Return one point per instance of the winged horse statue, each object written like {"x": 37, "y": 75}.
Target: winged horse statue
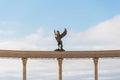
{"x": 58, "y": 37}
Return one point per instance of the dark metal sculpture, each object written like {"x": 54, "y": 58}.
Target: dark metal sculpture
{"x": 58, "y": 37}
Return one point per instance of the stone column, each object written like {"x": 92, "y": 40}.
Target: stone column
{"x": 96, "y": 68}
{"x": 60, "y": 67}
{"x": 24, "y": 61}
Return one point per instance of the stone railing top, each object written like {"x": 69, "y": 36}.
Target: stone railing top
{"x": 59, "y": 54}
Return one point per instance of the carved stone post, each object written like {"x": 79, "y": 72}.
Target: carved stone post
{"x": 96, "y": 68}
{"x": 60, "y": 67}
{"x": 24, "y": 61}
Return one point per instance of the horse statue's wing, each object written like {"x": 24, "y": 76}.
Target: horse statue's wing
{"x": 64, "y": 33}
{"x": 55, "y": 33}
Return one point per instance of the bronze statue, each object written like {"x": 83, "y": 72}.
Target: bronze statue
{"x": 58, "y": 37}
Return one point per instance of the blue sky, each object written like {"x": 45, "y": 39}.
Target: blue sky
{"x": 75, "y": 15}
{"x": 29, "y": 25}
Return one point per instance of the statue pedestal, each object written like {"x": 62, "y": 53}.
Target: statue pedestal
{"x": 59, "y": 50}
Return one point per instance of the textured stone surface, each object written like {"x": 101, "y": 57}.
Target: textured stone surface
{"x": 59, "y": 54}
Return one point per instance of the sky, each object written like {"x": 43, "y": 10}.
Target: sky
{"x": 30, "y": 24}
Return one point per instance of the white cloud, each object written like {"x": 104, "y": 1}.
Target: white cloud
{"x": 102, "y": 36}
{"x": 7, "y": 32}
{"x": 34, "y": 41}
{"x": 39, "y": 36}
{"x": 4, "y": 23}
{"x": 14, "y": 45}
